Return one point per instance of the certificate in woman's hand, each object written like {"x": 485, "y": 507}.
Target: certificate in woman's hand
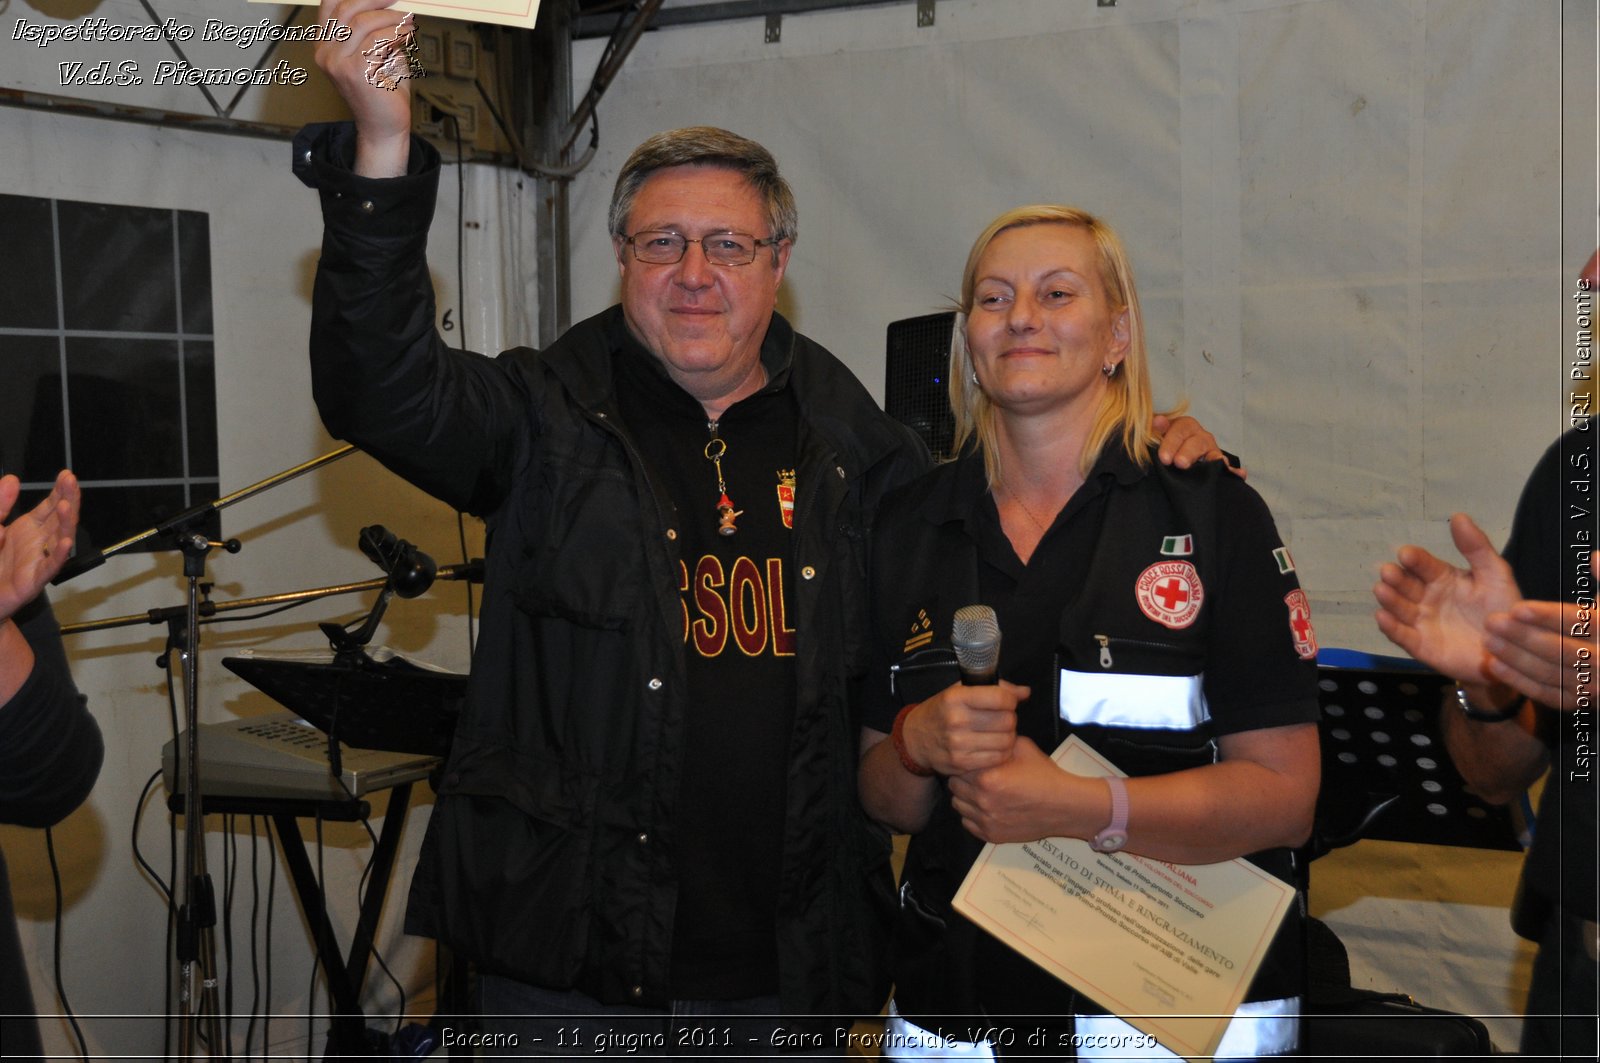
{"x": 1170, "y": 948}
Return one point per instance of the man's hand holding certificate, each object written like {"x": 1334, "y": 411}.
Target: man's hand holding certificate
{"x": 504, "y": 12}
{"x": 1171, "y": 948}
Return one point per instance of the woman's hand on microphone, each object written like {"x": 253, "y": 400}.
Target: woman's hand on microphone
{"x": 964, "y": 728}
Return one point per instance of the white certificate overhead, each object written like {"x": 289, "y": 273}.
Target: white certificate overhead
{"x": 505, "y": 12}
{"x": 1171, "y": 948}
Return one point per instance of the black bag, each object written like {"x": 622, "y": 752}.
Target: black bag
{"x": 1389, "y": 1026}
{"x": 1343, "y": 1022}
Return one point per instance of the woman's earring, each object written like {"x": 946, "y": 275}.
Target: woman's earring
{"x": 975, "y": 379}
{"x": 1109, "y": 369}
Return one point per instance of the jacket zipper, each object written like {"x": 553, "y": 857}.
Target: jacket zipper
{"x": 1105, "y": 642}
{"x": 638, "y": 467}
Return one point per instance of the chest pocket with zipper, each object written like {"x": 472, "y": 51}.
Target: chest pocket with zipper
{"x": 1139, "y": 700}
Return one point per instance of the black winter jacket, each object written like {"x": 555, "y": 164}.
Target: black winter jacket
{"x": 550, "y": 853}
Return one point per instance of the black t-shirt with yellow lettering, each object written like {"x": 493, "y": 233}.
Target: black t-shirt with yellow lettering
{"x": 739, "y": 645}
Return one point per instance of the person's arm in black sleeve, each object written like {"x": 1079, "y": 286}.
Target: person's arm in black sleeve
{"x": 50, "y": 747}
{"x": 382, "y": 376}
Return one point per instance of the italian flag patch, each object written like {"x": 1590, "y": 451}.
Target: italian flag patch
{"x": 1177, "y": 546}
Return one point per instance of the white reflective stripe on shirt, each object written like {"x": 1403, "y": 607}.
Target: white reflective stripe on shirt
{"x": 1172, "y": 702}
{"x": 1261, "y": 1028}
{"x": 905, "y": 1040}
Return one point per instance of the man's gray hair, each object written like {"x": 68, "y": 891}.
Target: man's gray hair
{"x": 707, "y": 146}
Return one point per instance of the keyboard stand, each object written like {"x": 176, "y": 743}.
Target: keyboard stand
{"x": 347, "y": 1032}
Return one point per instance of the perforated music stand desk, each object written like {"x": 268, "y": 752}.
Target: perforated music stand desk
{"x": 1385, "y": 772}
{"x": 391, "y": 705}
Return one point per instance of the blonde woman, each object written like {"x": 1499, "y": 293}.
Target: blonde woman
{"x": 1098, "y": 560}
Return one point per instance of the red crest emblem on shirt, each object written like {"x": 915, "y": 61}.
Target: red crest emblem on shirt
{"x": 786, "y": 496}
{"x": 1305, "y": 639}
{"x": 1169, "y": 592}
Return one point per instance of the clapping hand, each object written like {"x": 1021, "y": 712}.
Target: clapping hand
{"x": 1437, "y": 612}
{"x": 35, "y": 545}
{"x": 1546, "y": 651}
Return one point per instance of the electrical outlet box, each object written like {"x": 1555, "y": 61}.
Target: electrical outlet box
{"x": 461, "y": 53}
{"x": 423, "y": 124}
{"x": 467, "y": 115}
{"x": 430, "y": 47}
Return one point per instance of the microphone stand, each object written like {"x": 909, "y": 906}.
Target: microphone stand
{"x": 197, "y": 914}
{"x": 182, "y": 522}
{"x": 196, "y": 948}
{"x": 472, "y": 570}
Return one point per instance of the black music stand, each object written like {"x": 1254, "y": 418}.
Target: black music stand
{"x": 393, "y": 705}
{"x": 1385, "y": 772}
{"x": 1386, "y": 775}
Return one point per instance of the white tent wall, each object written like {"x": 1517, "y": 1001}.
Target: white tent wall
{"x": 1319, "y": 198}
{"x": 265, "y": 230}
{"x": 1355, "y": 223}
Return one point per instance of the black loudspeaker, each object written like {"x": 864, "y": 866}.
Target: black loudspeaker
{"x": 915, "y": 391}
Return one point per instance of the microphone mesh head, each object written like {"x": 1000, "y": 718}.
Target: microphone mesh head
{"x": 976, "y": 635}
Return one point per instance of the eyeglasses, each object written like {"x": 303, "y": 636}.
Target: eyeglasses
{"x": 662, "y": 247}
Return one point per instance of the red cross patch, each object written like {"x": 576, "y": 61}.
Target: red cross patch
{"x": 1305, "y": 639}
{"x": 1169, "y": 593}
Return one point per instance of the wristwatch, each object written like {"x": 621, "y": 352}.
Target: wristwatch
{"x": 1114, "y": 835}
{"x": 1511, "y": 711}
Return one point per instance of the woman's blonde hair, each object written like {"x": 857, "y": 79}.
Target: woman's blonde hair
{"x": 1128, "y": 406}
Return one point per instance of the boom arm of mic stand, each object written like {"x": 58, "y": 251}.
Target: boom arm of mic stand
{"x": 472, "y": 571}
{"x": 82, "y": 563}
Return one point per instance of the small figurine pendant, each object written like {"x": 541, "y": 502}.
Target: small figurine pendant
{"x": 726, "y": 515}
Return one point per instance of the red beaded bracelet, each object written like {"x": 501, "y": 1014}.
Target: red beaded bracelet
{"x": 897, "y": 735}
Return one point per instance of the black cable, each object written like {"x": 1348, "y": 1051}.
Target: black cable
{"x": 400, "y": 1013}
{"x": 461, "y": 312}
{"x": 230, "y": 875}
{"x": 461, "y": 233}
{"x": 255, "y": 967}
{"x": 172, "y": 701}
{"x": 138, "y": 857}
{"x": 61, "y": 988}
{"x": 172, "y": 935}
{"x": 361, "y": 901}
{"x": 472, "y": 630}
{"x": 272, "y": 890}
{"x": 166, "y": 892}
{"x": 536, "y": 169}
{"x": 316, "y": 958}
{"x": 172, "y": 865}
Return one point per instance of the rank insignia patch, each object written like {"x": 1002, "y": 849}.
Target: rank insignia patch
{"x": 1169, "y": 593}
{"x": 786, "y": 496}
{"x": 921, "y": 632}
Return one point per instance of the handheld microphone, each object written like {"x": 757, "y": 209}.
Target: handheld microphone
{"x": 411, "y": 571}
{"x": 976, "y": 635}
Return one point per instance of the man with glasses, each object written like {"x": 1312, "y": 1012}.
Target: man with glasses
{"x": 648, "y": 823}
